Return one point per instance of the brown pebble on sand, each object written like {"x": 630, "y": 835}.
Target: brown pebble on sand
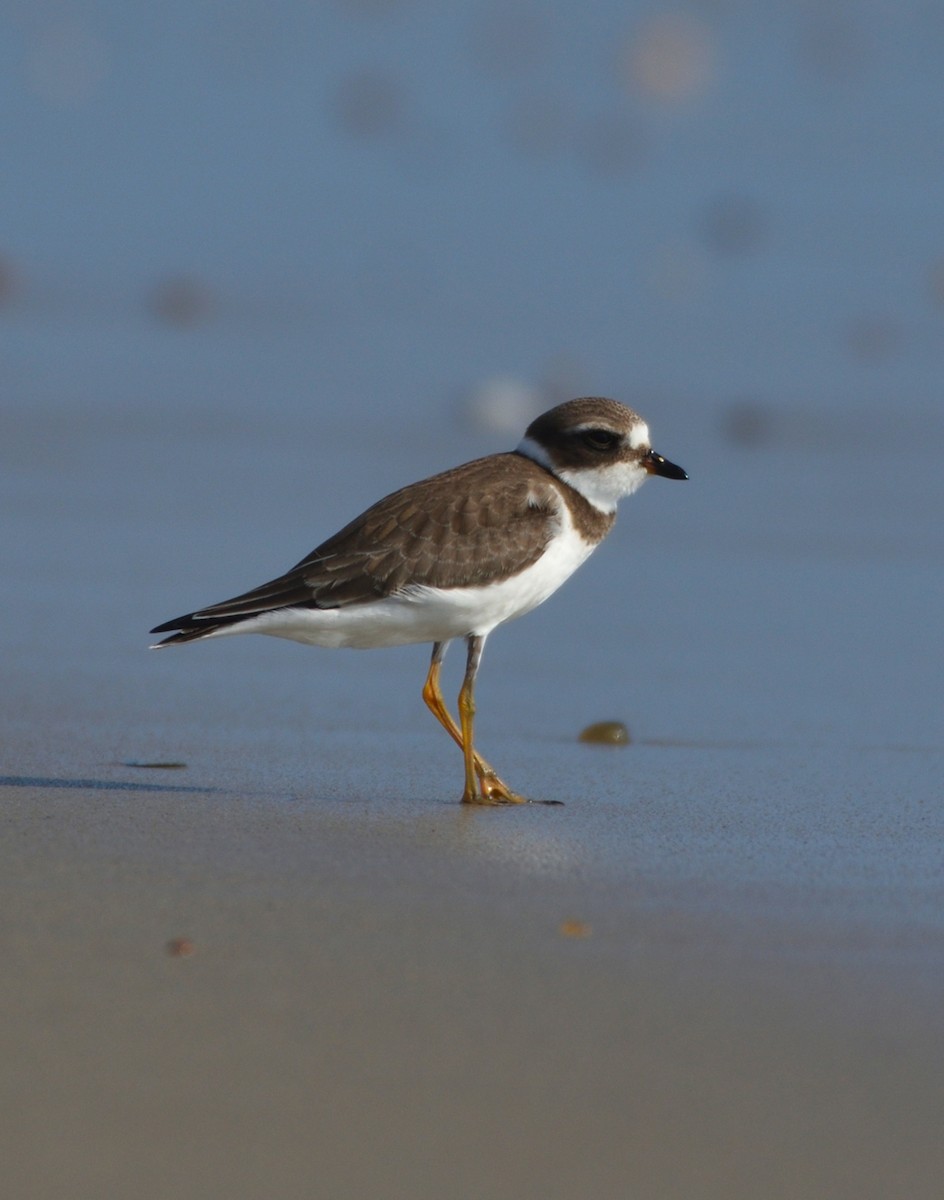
{"x": 605, "y": 733}
{"x": 156, "y": 766}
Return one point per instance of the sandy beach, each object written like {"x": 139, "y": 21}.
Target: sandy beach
{"x": 207, "y": 993}
{"x": 287, "y": 962}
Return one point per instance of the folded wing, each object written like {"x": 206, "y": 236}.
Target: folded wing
{"x": 459, "y": 529}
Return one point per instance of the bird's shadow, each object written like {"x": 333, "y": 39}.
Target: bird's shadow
{"x": 97, "y": 785}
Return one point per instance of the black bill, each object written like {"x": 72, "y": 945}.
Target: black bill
{"x": 655, "y": 464}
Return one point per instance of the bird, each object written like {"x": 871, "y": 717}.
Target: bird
{"x": 455, "y": 556}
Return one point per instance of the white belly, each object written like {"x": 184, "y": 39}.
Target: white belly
{"x": 426, "y": 614}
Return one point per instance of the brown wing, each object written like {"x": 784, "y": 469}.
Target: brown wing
{"x": 457, "y": 529}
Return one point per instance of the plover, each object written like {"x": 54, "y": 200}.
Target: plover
{"x": 455, "y": 556}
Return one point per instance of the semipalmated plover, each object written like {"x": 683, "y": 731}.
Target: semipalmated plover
{"x": 456, "y": 555}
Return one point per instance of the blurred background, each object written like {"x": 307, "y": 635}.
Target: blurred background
{"x": 261, "y": 263}
{"x": 390, "y": 204}
{"x": 264, "y": 261}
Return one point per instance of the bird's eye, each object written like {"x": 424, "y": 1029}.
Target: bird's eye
{"x": 599, "y": 439}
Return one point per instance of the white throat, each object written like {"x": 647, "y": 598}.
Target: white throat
{"x": 603, "y": 487}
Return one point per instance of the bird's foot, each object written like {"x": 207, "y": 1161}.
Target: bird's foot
{"x": 495, "y": 791}
{"x": 492, "y": 791}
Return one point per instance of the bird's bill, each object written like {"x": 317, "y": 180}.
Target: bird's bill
{"x": 655, "y": 464}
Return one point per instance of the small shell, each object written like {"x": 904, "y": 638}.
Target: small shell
{"x": 574, "y": 929}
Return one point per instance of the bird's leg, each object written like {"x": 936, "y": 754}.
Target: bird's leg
{"x": 432, "y": 695}
{"x": 491, "y": 790}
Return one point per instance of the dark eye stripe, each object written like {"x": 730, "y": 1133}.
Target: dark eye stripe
{"x": 599, "y": 439}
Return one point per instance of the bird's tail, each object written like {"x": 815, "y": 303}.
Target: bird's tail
{"x": 191, "y": 628}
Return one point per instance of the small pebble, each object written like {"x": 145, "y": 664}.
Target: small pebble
{"x": 180, "y": 948}
{"x": 606, "y": 733}
{"x": 157, "y": 766}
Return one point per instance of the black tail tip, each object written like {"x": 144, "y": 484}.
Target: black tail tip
{"x": 182, "y": 629}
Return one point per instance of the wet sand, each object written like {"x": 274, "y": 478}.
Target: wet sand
{"x": 296, "y": 967}
{"x": 214, "y": 991}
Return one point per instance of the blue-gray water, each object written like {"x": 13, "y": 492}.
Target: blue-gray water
{"x": 257, "y": 270}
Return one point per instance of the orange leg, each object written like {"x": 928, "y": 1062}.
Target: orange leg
{"x": 482, "y": 784}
